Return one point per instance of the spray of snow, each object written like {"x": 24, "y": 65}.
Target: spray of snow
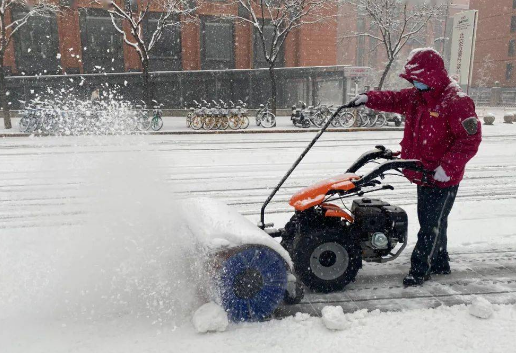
{"x": 129, "y": 258}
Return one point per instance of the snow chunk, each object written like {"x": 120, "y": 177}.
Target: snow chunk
{"x": 481, "y": 308}
{"x": 334, "y": 319}
{"x": 301, "y": 317}
{"x": 210, "y": 318}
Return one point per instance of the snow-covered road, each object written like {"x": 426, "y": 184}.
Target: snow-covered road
{"x": 51, "y": 187}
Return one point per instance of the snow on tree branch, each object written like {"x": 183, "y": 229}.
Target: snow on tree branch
{"x": 281, "y": 17}
{"x": 29, "y": 9}
{"x": 135, "y": 15}
{"x": 394, "y": 23}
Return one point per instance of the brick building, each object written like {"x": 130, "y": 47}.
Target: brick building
{"x": 81, "y": 39}
{"x": 495, "y": 48}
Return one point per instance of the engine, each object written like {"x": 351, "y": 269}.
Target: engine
{"x": 379, "y": 226}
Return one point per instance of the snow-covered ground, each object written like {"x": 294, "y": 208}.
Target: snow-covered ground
{"x": 93, "y": 257}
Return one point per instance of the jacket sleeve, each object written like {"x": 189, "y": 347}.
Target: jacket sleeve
{"x": 467, "y": 133}
{"x": 390, "y": 101}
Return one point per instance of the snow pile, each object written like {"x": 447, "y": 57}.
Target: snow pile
{"x": 481, "y": 308}
{"x": 210, "y": 318}
{"x": 334, "y": 319}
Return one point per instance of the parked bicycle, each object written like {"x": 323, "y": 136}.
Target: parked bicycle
{"x": 265, "y": 117}
{"x": 217, "y": 115}
{"x": 144, "y": 122}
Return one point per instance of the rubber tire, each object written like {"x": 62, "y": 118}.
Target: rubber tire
{"x": 304, "y": 246}
{"x": 397, "y": 122}
{"x": 268, "y": 120}
{"x": 24, "y": 123}
{"x": 143, "y": 124}
{"x": 346, "y": 119}
{"x": 381, "y": 120}
{"x": 234, "y": 122}
{"x": 244, "y": 122}
{"x": 269, "y": 294}
{"x": 197, "y": 122}
{"x": 318, "y": 119}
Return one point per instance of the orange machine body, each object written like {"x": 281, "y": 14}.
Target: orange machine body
{"x": 314, "y": 195}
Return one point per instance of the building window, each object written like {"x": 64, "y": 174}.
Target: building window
{"x": 259, "y": 56}
{"x": 512, "y": 47}
{"x": 217, "y": 44}
{"x": 508, "y": 71}
{"x": 513, "y": 24}
{"x": 360, "y": 61}
{"x": 102, "y": 49}
{"x": 514, "y": 4}
{"x": 37, "y": 45}
{"x": 166, "y": 53}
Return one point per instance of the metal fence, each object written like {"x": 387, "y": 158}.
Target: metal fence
{"x": 495, "y": 97}
{"x": 177, "y": 89}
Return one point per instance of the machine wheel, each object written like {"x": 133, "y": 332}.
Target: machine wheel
{"x": 326, "y": 260}
{"x": 252, "y": 283}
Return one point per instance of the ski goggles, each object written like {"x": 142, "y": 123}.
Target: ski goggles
{"x": 420, "y": 85}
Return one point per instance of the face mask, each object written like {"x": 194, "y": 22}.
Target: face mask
{"x": 420, "y": 86}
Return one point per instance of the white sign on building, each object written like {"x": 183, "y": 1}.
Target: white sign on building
{"x": 463, "y": 46}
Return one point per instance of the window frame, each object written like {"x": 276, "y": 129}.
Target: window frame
{"x": 89, "y": 63}
{"x": 512, "y": 48}
{"x": 509, "y": 70}
{"x": 513, "y": 24}
{"x": 162, "y": 62}
{"x": 29, "y": 64}
{"x": 215, "y": 64}
{"x": 280, "y": 61}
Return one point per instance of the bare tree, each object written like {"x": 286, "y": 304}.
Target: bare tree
{"x": 7, "y": 29}
{"x": 172, "y": 13}
{"x": 274, "y": 20}
{"x": 396, "y": 23}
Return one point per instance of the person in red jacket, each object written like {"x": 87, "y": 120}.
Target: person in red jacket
{"x": 443, "y": 132}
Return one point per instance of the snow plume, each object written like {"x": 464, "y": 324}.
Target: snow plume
{"x": 129, "y": 258}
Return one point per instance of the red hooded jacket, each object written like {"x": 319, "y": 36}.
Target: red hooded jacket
{"x": 441, "y": 126}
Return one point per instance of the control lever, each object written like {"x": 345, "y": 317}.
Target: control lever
{"x": 380, "y": 147}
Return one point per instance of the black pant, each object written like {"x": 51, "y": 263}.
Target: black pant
{"x": 433, "y": 207}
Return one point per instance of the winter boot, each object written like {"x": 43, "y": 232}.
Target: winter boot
{"x": 441, "y": 266}
{"x": 441, "y": 269}
{"x": 412, "y": 280}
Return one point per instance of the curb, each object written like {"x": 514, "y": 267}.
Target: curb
{"x": 222, "y": 132}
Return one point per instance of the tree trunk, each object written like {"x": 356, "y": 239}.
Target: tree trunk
{"x": 3, "y": 95}
{"x": 147, "y": 89}
{"x": 385, "y": 72}
{"x": 272, "y": 76}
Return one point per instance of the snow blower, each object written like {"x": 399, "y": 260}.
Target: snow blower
{"x": 327, "y": 242}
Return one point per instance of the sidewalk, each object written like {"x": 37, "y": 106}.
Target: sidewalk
{"x": 177, "y": 126}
